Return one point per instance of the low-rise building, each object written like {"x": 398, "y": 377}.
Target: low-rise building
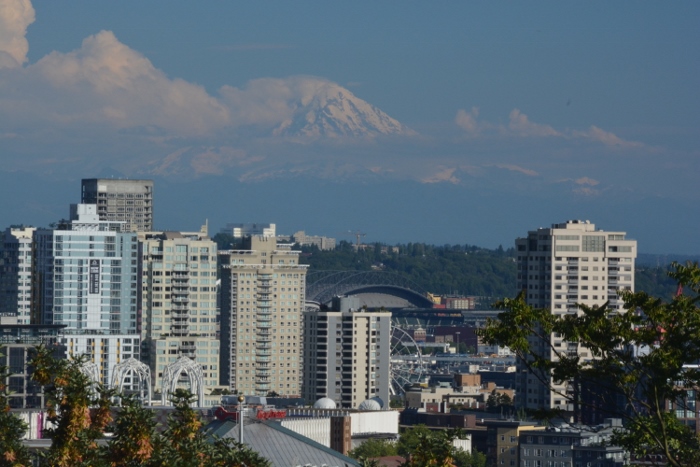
{"x": 323, "y": 243}
{"x": 467, "y": 390}
{"x": 502, "y": 439}
{"x": 572, "y": 446}
{"x": 17, "y": 342}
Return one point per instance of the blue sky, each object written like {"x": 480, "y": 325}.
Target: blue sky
{"x": 619, "y": 64}
{"x": 573, "y": 106}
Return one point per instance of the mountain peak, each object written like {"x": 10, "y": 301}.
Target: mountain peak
{"x": 331, "y": 111}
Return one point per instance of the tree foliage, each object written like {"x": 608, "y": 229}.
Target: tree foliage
{"x": 14, "y": 453}
{"x": 423, "y": 447}
{"x": 81, "y": 413}
{"x": 499, "y": 403}
{"x": 444, "y": 269}
{"x": 374, "y": 448}
{"x": 642, "y": 356}
{"x": 78, "y": 409}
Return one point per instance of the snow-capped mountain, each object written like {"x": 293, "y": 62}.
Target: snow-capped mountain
{"x": 332, "y": 111}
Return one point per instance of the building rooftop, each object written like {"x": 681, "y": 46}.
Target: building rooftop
{"x": 281, "y": 446}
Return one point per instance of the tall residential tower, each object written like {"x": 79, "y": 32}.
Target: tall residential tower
{"x": 262, "y": 300}
{"x": 16, "y": 274}
{"x": 559, "y": 267}
{"x": 178, "y": 302}
{"x": 347, "y": 354}
{"x": 129, "y": 201}
{"x": 85, "y": 278}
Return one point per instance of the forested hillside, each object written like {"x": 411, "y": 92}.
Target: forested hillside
{"x": 449, "y": 269}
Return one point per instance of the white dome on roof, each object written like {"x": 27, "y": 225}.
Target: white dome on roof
{"x": 369, "y": 404}
{"x": 324, "y": 403}
{"x": 378, "y": 400}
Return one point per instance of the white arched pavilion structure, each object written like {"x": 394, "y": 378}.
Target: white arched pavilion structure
{"x": 91, "y": 370}
{"x": 189, "y": 368}
{"x": 139, "y": 371}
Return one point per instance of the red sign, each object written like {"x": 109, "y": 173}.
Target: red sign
{"x": 223, "y": 414}
{"x": 269, "y": 414}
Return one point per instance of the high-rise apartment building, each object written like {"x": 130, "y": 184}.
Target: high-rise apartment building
{"x": 347, "y": 354}
{"x": 128, "y": 201}
{"x": 262, "y": 300}
{"x": 85, "y": 277}
{"x": 16, "y": 274}
{"x": 178, "y": 300}
{"x": 559, "y": 267}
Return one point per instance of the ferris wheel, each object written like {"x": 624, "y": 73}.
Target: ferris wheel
{"x": 406, "y": 361}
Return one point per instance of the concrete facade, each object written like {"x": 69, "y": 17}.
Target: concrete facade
{"x": 503, "y": 438}
{"x": 559, "y": 267}
{"x": 178, "y": 302}
{"x": 17, "y": 342}
{"x": 347, "y": 356}
{"x": 572, "y": 446}
{"x": 128, "y": 201}
{"x": 262, "y": 300}
{"x": 323, "y": 243}
{"x": 16, "y": 274}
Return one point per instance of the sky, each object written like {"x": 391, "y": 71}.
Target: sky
{"x": 478, "y": 121}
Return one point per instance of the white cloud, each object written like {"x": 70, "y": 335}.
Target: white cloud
{"x": 15, "y": 16}
{"x": 517, "y": 168}
{"x": 265, "y": 101}
{"x": 586, "y": 181}
{"x": 582, "y": 185}
{"x": 106, "y": 81}
{"x": 609, "y": 139}
{"x": 467, "y": 121}
{"x": 586, "y": 191}
{"x": 520, "y": 125}
{"x": 443, "y": 175}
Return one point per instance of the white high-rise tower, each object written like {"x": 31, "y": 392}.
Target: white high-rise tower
{"x": 85, "y": 277}
{"x": 559, "y": 267}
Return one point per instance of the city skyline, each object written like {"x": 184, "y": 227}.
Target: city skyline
{"x": 464, "y": 115}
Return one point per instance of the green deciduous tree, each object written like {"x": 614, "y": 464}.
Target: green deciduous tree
{"x": 410, "y": 439}
{"x": 469, "y": 459}
{"x": 374, "y": 448}
{"x": 641, "y": 355}
{"x": 499, "y": 403}
{"x": 423, "y": 447}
